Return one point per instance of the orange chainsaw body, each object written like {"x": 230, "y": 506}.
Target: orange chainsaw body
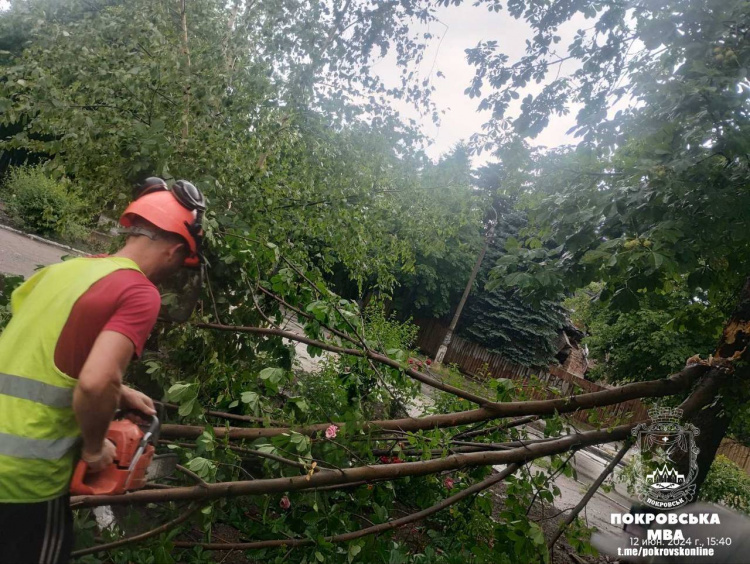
{"x": 117, "y": 478}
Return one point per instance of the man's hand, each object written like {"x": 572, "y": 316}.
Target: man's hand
{"x": 133, "y": 399}
{"x": 98, "y": 461}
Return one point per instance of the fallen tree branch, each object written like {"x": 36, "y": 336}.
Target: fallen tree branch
{"x": 654, "y": 388}
{"x": 374, "y": 530}
{"x": 277, "y": 458}
{"x": 231, "y": 416}
{"x": 501, "y": 427}
{"x": 703, "y": 395}
{"x": 253, "y": 452}
{"x": 414, "y": 374}
{"x": 298, "y": 311}
{"x": 547, "y": 480}
{"x": 190, "y": 474}
{"x": 590, "y": 493}
{"x": 366, "y": 473}
{"x": 136, "y": 538}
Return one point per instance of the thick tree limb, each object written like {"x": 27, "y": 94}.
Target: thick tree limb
{"x": 654, "y": 388}
{"x": 694, "y": 402}
{"x": 732, "y": 357}
{"x": 366, "y": 473}
{"x": 590, "y": 493}
{"x": 374, "y": 530}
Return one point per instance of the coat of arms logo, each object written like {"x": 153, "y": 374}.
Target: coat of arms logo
{"x": 668, "y": 459}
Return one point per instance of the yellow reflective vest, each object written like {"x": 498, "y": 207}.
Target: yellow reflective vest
{"x": 39, "y": 434}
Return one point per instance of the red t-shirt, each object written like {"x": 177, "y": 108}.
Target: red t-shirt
{"x": 124, "y": 301}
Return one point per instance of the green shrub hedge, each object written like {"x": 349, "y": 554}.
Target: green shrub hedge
{"x": 46, "y": 206}
{"x": 727, "y": 484}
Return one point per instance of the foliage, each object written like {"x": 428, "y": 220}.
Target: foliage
{"x": 727, "y": 484}
{"x": 675, "y": 51}
{"x": 42, "y": 204}
{"x": 652, "y": 342}
{"x": 651, "y": 204}
{"x": 105, "y": 91}
{"x": 8, "y": 283}
{"x": 579, "y": 537}
{"x": 350, "y": 387}
{"x": 453, "y": 208}
{"x": 312, "y": 191}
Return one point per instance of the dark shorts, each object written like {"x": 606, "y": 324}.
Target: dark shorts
{"x": 36, "y": 533}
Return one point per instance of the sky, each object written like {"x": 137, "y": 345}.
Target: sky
{"x": 465, "y": 26}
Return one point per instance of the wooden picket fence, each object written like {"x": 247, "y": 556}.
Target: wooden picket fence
{"x": 479, "y": 363}
{"x": 736, "y": 452}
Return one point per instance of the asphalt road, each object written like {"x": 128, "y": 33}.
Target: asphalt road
{"x": 21, "y": 255}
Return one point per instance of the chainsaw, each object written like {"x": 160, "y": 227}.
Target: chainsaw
{"x": 135, "y": 462}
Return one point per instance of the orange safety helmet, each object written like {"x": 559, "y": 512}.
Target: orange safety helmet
{"x": 178, "y": 211}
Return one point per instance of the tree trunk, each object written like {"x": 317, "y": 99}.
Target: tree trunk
{"x": 713, "y": 421}
{"x": 713, "y": 424}
{"x": 456, "y": 316}
{"x": 186, "y": 61}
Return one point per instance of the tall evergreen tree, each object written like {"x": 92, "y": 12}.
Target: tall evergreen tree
{"x": 502, "y": 319}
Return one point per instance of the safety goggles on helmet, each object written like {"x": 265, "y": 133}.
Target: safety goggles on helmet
{"x": 178, "y": 210}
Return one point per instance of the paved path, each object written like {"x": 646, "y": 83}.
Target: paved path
{"x": 22, "y": 255}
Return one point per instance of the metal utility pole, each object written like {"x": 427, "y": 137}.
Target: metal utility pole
{"x": 474, "y": 271}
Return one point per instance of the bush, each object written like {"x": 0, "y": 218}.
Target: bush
{"x": 8, "y": 283}
{"x": 727, "y": 484}
{"x": 43, "y": 205}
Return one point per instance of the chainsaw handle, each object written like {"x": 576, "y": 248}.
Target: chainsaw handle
{"x": 154, "y": 430}
{"x": 77, "y": 484}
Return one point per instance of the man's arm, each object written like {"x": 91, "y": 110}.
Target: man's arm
{"x": 97, "y": 394}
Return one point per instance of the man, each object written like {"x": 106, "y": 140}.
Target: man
{"x": 75, "y": 327}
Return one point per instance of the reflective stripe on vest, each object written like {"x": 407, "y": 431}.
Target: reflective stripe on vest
{"x": 44, "y": 449}
{"x": 33, "y": 390}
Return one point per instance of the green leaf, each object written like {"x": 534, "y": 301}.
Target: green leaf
{"x": 354, "y": 550}
{"x": 274, "y": 375}
{"x": 178, "y": 392}
{"x": 253, "y": 401}
{"x": 201, "y": 466}
{"x": 187, "y": 407}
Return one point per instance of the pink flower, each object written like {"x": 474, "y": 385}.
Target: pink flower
{"x": 331, "y": 432}
{"x": 428, "y": 362}
{"x": 448, "y": 483}
{"x": 285, "y": 503}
